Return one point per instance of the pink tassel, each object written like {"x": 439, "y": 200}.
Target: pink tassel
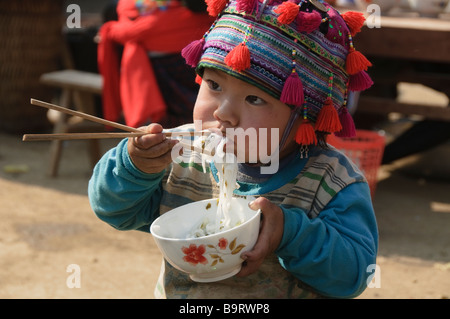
{"x": 292, "y": 93}
{"x": 246, "y": 6}
{"x": 348, "y": 125}
{"x": 309, "y": 21}
{"x": 360, "y": 81}
{"x": 193, "y": 52}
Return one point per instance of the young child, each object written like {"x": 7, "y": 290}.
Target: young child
{"x": 284, "y": 65}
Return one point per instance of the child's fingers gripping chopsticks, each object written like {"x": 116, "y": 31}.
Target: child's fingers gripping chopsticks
{"x": 151, "y": 153}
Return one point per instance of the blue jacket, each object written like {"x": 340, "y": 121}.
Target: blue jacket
{"x": 330, "y": 232}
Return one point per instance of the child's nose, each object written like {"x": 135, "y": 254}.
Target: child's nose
{"x": 227, "y": 114}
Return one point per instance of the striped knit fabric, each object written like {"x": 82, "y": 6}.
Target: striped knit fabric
{"x": 324, "y": 175}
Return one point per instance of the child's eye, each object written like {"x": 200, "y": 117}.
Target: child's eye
{"x": 253, "y": 99}
{"x": 213, "y": 85}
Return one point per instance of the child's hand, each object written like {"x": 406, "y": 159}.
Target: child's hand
{"x": 270, "y": 234}
{"x": 151, "y": 153}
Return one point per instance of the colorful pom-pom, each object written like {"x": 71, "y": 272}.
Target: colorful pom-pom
{"x": 305, "y": 134}
{"x": 354, "y": 21}
{"x": 328, "y": 118}
{"x": 360, "y": 81}
{"x": 287, "y": 11}
{"x": 308, "y": 21}
{"x": 193, "y": 51}
{"x": 356, "y": 62}
{"x": 239, "y": 58}
{"x": 348, "y": 125}
{"x": 246, "y": 6}
{"x": 214, "y": 7}
{"x": 292, "y": 93}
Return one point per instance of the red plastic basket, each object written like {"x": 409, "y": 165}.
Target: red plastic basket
{"x": 365, "y": 150}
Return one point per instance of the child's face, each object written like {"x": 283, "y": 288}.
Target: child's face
{"x": 225, "y": 102}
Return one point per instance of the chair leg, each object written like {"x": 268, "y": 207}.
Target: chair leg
{"x": 59, "y": 127}
{"x": 55, "y": 157}
{"x": 84, "y": 101}
{"x": 94, "y": 152}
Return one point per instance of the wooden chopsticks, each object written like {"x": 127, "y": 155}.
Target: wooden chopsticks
{"x": 79, "y": 136}
{"x": 129, "y": 131}
{"x": 106, "y": 135}
{"x": 85, "y": 116}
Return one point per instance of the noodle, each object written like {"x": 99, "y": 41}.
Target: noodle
{"x": 226, "y": 217}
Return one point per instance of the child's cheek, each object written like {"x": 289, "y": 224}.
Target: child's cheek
{"x": 203, "y": 112}
{"x": 204, "y": 106}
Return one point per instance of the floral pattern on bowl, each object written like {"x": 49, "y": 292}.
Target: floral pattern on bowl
{"x": 207, "y": 258}
{"x": 195, "y": 254}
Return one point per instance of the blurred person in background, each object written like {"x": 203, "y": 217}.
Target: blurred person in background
{"x": 139, "y": 56}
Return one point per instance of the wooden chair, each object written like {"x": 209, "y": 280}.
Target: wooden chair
{"x": 78, "y": 90}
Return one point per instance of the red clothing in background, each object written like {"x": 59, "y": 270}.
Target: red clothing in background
{"x": 129, "y": 85}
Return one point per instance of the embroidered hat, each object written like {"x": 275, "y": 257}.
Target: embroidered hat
{"x": 299, "y": 51}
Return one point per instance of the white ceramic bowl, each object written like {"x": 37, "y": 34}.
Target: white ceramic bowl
{"x": 385, "y": 5}
{"x": 429, "y": 8}
{"x": 209, "y": 258}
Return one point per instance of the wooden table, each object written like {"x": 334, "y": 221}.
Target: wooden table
{"x": 408, "y": 42}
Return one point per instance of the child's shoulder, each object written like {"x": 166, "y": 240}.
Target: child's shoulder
{"x": 334, "y": 162}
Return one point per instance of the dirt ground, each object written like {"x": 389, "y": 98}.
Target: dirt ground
{"x": 47, "y": 226}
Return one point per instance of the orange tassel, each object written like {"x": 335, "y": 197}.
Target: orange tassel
{"x": 198, "y": 79}
{"x": 354, "y": 20}
{"x": 287, "y": 11}
{"x": 356, "y": 62}
{"x": 239, "y": 58}
{"x": 215, "y": 6}
{"x": 328, "y": 118}
{"x": 305, "y": 134}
